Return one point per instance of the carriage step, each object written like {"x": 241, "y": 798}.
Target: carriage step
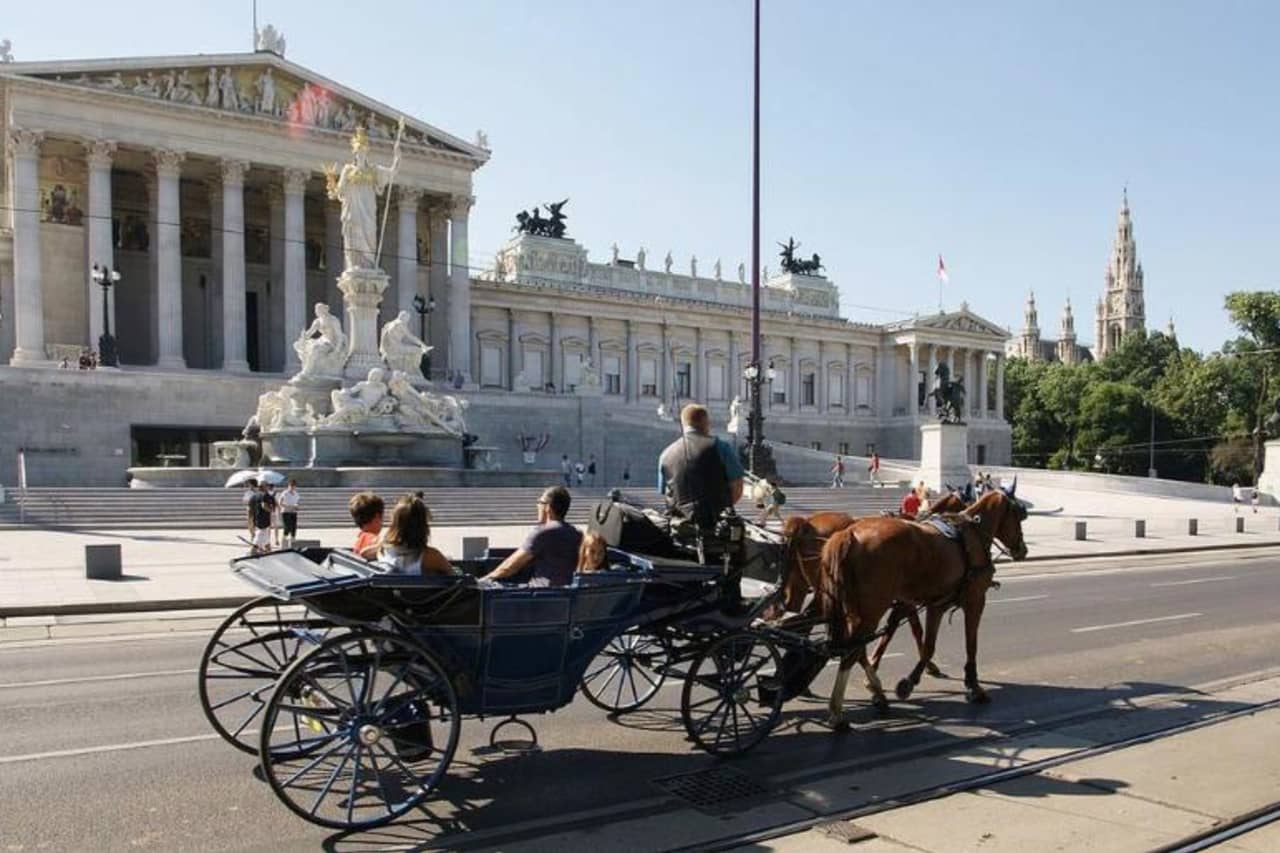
{"x": 717, "y": 791}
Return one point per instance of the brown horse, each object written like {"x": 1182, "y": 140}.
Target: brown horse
{"x": 867, "y": 566}
{"x": 805, "y": 538}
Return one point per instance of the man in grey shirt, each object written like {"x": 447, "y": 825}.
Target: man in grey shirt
{"x": 549, "y": 554}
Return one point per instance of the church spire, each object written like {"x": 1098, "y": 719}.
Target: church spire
{"x": 1123, "y": 301}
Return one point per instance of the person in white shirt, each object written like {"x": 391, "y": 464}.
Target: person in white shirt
{"x": 289, "y": 500}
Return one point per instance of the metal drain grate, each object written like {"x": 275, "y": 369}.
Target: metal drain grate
{"x": 715, "y": 791}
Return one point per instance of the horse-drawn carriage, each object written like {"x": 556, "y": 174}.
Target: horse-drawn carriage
{"x": 350, "y": 684}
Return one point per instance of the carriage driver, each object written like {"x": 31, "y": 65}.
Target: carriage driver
{"x": 699, "y": 474}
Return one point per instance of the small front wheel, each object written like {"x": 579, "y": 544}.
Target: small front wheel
{"x": 731, "y": 698}
{"x": 627, "y": 673}
{"x": 359, "y": 731}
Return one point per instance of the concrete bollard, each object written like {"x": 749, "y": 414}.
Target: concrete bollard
{"x": 474, "y": 547}
{"x": 1140, "y": 528}
{"x": 1080, "y": 531}
{"x": 1193, "y": 527}
{"x": 102, "y": 562}
{"x": 1239, "y": 524}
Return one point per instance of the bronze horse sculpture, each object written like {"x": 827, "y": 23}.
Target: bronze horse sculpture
{"x": 869, "y": 564}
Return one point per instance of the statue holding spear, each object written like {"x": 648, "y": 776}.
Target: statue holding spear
{"x": 357, "y": 187}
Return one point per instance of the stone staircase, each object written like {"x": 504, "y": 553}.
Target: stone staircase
{"x": 130, "y": 509}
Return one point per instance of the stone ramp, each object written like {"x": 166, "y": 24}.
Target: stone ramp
{"x": 122, "y": 508}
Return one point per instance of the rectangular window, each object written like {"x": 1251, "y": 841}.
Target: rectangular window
{"x": 612, "y": 374}
{"x": 871, "y": 448}
{"x": 648, "y": 377}
{"x": 815, "y": 445}
{"x": 715, "y": 382}
{"x": 490, "y": 367}
{"x": 862, "y": 390}
{"x": 572, "y": 370}
{"x": 844, "y": 448}
{"x": 684, "y": 379}
{"x": 778, "y": 388}
{"x": 808, "y": 389}
{"x": 835, "y": 388}
{"x": 533, "y": 367}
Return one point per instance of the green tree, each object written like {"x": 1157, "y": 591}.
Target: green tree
{"x": 1257, "y": 314}
{"x": 1111, "y": 426}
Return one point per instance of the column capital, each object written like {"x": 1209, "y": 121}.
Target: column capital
{"x": 409, "y": 197}
{"x": 99, "y": 153}
{"x": 295, "y": 181}
{"x": 460, "y": 205}
{"x": 233, "y": 171}
{"x": 168, "y": 163}
{"x": 25, "y": 143}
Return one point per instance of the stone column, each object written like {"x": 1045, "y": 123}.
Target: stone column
{"x": 333, "y": 260}
{"x": 593, "y": 348}
{"x": 407, "y": 246}
{"x": 733, "y": 382}
{"x": 1000, "y": 386}
{"x": 629, "y": 374}
{"x": 234, "y": 339}
{"x": 28, "y": 290}
{"x": 663, "y": 369}
{"x": 699, "y": 369}
{"x": 554, "y": 347}
{"x": 216, "y": 333}
{"x": 438, "y": 281}
{"x": 821, "y": 394}
{"x": 460, "y": 290}
{"x": 512, "y": 343}
{"x": 982, "y": 384}
{"x": 913, "y": 382}
{"x": 929, "y": 403}
{"x": 98, "y": 154}
{"x": 793, "y": 377}
{"x": 168, "y": 249}
{"x": 295, "y": 263}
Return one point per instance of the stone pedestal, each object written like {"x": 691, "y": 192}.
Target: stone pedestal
{"x": 1269, "y": 479}
{"x": 943, "y": 455}
{"x": 361, "y": 294}
{"x": 314, "y": 392}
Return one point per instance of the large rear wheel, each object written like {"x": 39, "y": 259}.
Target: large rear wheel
{"x": 627, "y": 673}
{"x": 731, "y": 699}
{"x": 359, "y": 731}
{"x": 245, "y": 657}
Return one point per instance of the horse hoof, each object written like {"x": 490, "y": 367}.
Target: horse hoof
{"x": 932, "y": 669}
{"x": 904, "y": 688}
{"x": 977, "y": 696}
{"x": 838, "y": 724}
{"x": 881, "y": 705}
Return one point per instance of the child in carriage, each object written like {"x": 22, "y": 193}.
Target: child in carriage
{"x": 366, "y": 512}
{"x": 403, "y": 548}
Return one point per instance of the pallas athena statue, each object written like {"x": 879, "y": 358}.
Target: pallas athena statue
{"x": 357, "y": 187}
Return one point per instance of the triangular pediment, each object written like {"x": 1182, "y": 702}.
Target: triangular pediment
{"x": 962, "y": 321}
{"x": 259, "y": 84}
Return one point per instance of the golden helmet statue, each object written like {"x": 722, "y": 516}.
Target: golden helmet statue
{"x": 360, "y": 142}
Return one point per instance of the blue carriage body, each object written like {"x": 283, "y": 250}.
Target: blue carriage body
{"x": 507, "y": 650}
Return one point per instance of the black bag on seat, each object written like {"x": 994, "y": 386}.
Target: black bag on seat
{"x": 628, "y": 528}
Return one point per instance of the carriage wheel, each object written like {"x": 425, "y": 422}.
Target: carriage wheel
{"x": 627, "y": 673}
{"x": 243, "y": 660}
{"x": 730, "y": 699}
{"x": 359, "y": 731}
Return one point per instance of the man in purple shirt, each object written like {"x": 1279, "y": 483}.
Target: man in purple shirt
{"x": 549, "y": 554}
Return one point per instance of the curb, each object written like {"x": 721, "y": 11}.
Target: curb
{"x": 229, "y": 602}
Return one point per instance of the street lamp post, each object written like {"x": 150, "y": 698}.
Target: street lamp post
{"x": 106, "y": 279}
{"x": 424, "y": 307}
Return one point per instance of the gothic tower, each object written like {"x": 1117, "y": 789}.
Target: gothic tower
{"x": 1122, "y": 308}
{"x": 1029, "y": 342}
{"x": 1067, "y": 336}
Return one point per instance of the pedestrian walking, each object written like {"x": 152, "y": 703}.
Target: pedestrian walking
{"x": 837, "y": 473}
{"x": 769, "y": 498}
{"x": 566, "y": 471}
{"x": 289, "y": 500}
{"x": 277, "y": 523}
{"x": 261, "y": 506}
{"x": 1253, "y": 499}
{"x": 1237, "y": 495}
{"x": 579, "y": 472}
{"x": 250, "y": 489}
{"x": 873, "y": 470}
{"x": 591, "y": 470}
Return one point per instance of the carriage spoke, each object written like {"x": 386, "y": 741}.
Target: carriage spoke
{"x": 395, "y": 758}
{"x": 310, "y": 765}
{"x": 235, "y": 698}
{"x": 377, "y": 774}
{"x": 328, "y": 785}
{"x": 592, "y": 676}
{"x": 346, "y": 673}
{"x": 355, "y": 780}
{"x": 404, "y": 670}
{"x": 257, "y": 709}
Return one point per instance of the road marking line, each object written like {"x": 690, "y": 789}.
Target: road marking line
{"x": 87, "y": 678}
{"x": 1018, "y": 598}
{"x": 1135, "y": 622}
{"x": 111, "y": 747}
{"x": 1196, "y": 580}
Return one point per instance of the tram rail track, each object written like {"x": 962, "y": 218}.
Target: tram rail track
{"x": 1201, "y": 841}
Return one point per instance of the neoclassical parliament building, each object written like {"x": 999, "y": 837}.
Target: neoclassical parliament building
{"x": 200, "y": 179}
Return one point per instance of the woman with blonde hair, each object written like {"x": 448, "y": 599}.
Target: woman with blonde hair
{"x": 403, "y": 548}
{"x": 593, "y": 553}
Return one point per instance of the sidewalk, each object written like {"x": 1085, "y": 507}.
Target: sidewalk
{"x": 42, "y": 571}
{"x": 1137, "y": 798}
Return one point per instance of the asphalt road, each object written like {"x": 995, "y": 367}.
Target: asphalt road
{"x": 103, "y": 745}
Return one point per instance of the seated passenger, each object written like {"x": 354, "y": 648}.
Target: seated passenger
{"x": 549, "y": 553}
{"x": 593, "y": 556}
{"x": 366, "y": 511}
{"x": 403, "y": 548}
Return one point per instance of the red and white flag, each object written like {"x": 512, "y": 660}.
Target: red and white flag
{"x": 942, "y": 270}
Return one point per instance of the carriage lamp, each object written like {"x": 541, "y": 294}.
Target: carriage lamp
{"x": 106, "y": 279}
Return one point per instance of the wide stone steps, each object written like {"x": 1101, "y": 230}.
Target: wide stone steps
{"x": 120, "y": 508}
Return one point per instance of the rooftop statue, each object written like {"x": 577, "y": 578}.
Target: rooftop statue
{"x": 535, "y": 224}
{"x": 357, "y": 186}
{"x": 798, "y": 266}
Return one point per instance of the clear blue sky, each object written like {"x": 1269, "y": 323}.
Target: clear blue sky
{"x": 997, "y": 133}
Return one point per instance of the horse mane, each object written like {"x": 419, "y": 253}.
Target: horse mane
{"x": 837, "y": 595}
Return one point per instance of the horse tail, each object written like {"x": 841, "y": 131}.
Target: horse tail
{"x": 837, "y": 601}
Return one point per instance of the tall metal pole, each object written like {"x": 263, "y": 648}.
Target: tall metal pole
{"x": 755, "y": 426}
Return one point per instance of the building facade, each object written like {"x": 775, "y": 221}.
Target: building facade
{"x": 197, "y": 178}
